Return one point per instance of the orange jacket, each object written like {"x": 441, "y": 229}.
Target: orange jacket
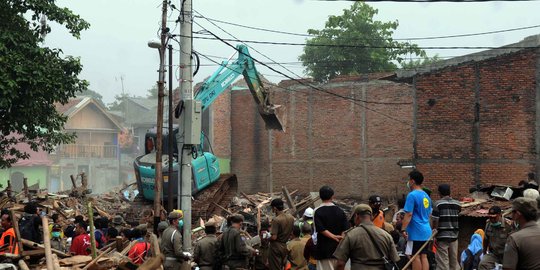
{"x": 379, "y": 219}
{"x": 13, "y": 247}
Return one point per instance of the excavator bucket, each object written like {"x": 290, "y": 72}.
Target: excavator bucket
{"x": 274, "y": 117}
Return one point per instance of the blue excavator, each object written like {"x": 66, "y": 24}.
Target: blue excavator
{"x": 209, "y": 186}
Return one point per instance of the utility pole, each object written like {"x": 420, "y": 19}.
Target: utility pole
{"x": 189, "y": 126}
{"x": 171, "y": 134}
{"x": 158, "y": 187}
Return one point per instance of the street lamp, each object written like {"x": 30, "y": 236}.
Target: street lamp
{"x": 158, "y": 185}
{"x": 156, "y": 44}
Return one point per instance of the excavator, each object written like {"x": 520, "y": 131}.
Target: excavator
{"x": 210, "y": 188}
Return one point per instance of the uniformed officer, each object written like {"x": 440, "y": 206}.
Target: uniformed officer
{"x": 232, "y": 247}
{"x": 521, "y": 250}
{"x": 358, "y": 246}
{"x": 205, "y": 253}
{"x": 262, "y": 243}
{"x": 281, "y": 230}
{"x": 171, "y": 243}
{"x": 497, "y": 231}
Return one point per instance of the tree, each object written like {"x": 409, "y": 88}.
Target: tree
{"x": 33, "y": 78}
{"x": 119, "y": 102}
{"x": 91, "y": 93}
{"x": 354, "y": 43}
{"x": 425, "y": 61}
{"x": 152, "y": 92}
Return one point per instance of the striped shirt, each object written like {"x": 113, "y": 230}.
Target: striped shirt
{"x": 447, "y": 211}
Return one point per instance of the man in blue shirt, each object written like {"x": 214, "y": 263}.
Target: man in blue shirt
{"x": 416, "y": 224}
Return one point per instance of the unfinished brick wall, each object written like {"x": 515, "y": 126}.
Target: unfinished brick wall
{"x": 476, "y": 122}
{"x": 352, "y": 147}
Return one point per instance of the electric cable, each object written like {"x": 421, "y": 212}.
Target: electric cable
{"x": 411, "y": 38}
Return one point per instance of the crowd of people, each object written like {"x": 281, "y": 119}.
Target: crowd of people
{"x": 72, "y": 236}
{"x": 421, "y": 235}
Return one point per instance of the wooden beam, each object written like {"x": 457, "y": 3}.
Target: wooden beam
{"x": 289, "y": 200}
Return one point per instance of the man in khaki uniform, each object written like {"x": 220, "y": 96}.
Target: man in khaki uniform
{"x": 522, "y": 248}
{"x": 206, "y": 249}
{"x": 297, "y": 245}
{"x": 171, "y": 243}
{"x": 281, "y": 230}
{"x": 358, "y": 246}
{"x": 497, "y": 231}
{"x": 232, "y": 247}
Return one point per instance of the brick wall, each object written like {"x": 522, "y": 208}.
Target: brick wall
{"x": 476, "y": 122}
{"x": 328, "y": 140}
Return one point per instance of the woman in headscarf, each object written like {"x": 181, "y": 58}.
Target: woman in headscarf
{"x": 470, "y": 257}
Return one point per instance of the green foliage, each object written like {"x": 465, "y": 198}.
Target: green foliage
{"x": 91, "y": 93}
{"x": 119, "y": 101}
{"x": 374, "y": 49}
{"x": 152, "y": 92}
{"x": 33, "y": 78}
{"x": 412, "y": 64}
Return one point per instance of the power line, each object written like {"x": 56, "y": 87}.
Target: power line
{"x": 305, "y": 84}
{"x": 359, "y": 104}
{"x": 411, "y": 38}
{"x": 364, "y": 46}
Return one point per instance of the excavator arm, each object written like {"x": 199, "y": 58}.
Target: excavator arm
{"x": 273, "y": 115}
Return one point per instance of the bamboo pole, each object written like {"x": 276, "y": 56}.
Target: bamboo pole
{"x": 92, "y": 229}
{"x": 23, "y": 265}
{"x": 15, "y": 223}
{"x": 47, "y": 243}
{"x": 92, "y": 262}
{"x": 420, "y": 250}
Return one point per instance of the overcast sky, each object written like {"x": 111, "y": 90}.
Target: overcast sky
{"x": 116, "y": 44}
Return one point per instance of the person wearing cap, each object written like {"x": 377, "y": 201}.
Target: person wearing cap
{"x": 445, "y": 218}
{"x": 171, "y": 243}
{"x": 364, "y": 243}
{"x": 307, "y": 218}
{"x": 416, "y": 223}
{"x": 118, "y": 222}
{"x": 496, "y": 234}
{"x": 281, "y": 231}
{"x": 378, "y": 215}
{"x": 206, "y": 249}
{"x": 233, "y": 250}
{"x": 522, "y": 247}
{"x": 57, "y": 238}
{"x": 161, "y": 228}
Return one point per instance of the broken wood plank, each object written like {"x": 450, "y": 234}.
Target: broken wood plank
{"x": 289, "y": 201}
{"x": 248, "y": 198}
{"x": 75, "y": 260}
{"x": 223, "y": 208}
{"x": 40, "y": 246}
{"x": 92, "y": 262}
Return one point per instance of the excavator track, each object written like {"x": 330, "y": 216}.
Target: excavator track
{"x": 203, "y": 206}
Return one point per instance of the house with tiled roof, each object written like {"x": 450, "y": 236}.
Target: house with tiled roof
{"x": 95, "y": 151}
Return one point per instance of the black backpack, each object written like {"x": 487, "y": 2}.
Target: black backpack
{"x": 27, "y": 227}
{"x": 472, "y": 261}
